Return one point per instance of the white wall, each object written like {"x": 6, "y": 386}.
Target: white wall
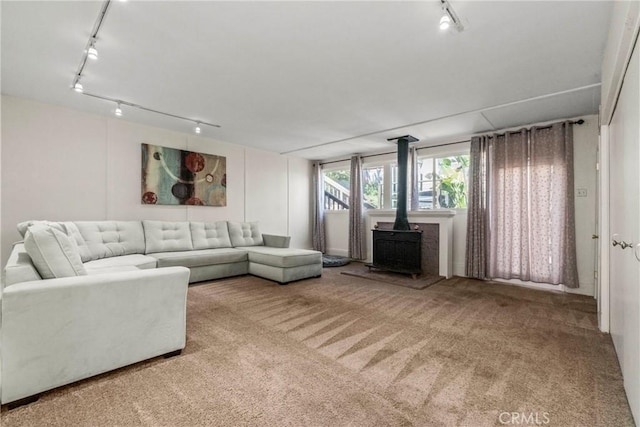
{"x": 336, "y": 224}
{"x": 300, "y": 188}
{"x": 62, "y": 164}
{"x": 585, "y": 151}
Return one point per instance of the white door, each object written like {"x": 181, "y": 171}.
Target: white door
{"x": 625, "y": 230}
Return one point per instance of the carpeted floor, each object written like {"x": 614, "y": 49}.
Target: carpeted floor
{"x": 341, "y": 350}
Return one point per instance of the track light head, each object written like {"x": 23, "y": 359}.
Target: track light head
{"x": 197, "y": 128}
{"x": 445, "y": 21}
{"x": 118, "y": 111}
{"x": 449, "y": 17}
{"x": 77, "y": 86}
{"x": 92, "y": 53}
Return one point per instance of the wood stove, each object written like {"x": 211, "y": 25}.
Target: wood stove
{"x": 400, "y": 249}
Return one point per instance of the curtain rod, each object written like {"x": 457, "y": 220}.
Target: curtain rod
{"x": 577, "y": 122}
{"x": 394, "y": 152}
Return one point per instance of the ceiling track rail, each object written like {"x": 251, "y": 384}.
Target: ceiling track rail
{"x": 94, "y": 35}
{"x": 151, "y": 110}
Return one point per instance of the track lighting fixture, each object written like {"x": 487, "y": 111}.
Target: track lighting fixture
{"x": 449, "y": 16}
{"x": 77, "y": 86}
{"x": 121, "y": 102}
{"x": 92, "y": 52}
{"x": 445, "y": 21}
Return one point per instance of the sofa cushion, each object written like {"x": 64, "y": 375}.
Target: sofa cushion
{"x": 283, "y": 257}
{"x": 210, "y": 235}
{"x": 200, "y": 257}
{"x": 141, "y": 262}
{"x": 54, "y": 254}
{"x": 165, "y": 236}
{"x": 106, "y": 239}
{"x": 72, "y": 231}
{"x": 245, "y": 234}
{"x": 24, "y": 226}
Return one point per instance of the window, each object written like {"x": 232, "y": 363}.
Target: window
{"x": 336, "y": 189}
{"x": 394, "y": 186}
{"x": 445, "y": 178}
{"x": 373, "y": 187}
{"x": 442, "y": 183}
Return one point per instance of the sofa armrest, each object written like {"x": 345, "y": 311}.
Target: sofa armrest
{"x": 276, "y": 241}
{"x": 58, "y": 331}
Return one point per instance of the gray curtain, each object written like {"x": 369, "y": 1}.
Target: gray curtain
{"x": 552, "y": 195}
{"x": 521, "y": 219}
{"x": 415, "y": 197}
{"x": 476, "y": 262}
{"x": 318, "y": 233}
{"x": 356, "y": 218}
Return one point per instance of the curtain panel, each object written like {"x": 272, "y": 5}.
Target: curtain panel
{"x": 356, "y": 217}
{"x": 317, "y": 226}
{"x": 521, "y": 219}
{"x": 476, "y": 255}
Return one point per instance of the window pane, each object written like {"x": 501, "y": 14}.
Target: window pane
{"x": 336, "y": 189}
{"x": 425, "y": 183}
{"x": 452, "y": 175}
{"x": 372, "y": 187}
{"x": 394, "y": 186}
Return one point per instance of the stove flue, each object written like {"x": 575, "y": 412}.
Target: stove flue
{"x": 402, "y": 221}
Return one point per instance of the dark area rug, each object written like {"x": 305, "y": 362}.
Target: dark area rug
{"x": 399, "y": 279}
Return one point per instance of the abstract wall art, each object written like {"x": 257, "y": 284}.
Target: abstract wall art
{"x": 179, "y": 177}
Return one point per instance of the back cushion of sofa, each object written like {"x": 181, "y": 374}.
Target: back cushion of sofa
{"x": 245, "y": 234}
{"x": 106, "y": 239}
{"x": 164, "y": 236}
{"x": 23, "y": 226}
{"x": 210, "y": 235}
{"x": 72, "y": 231}
{"x": 53, "y": 253}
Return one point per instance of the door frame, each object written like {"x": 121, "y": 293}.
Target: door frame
{"x": 602, "y": 281}
{"x": 623, "y": 34}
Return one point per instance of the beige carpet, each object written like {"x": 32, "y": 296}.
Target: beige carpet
{"x": 399, "y": 279}
{"x": 341, "y": 350}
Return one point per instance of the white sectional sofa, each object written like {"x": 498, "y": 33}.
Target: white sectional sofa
{"x": 208, "y": 250}
{"x": 82, "y": 298}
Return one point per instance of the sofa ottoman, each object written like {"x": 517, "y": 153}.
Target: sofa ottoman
{"x": 283, "y": 265}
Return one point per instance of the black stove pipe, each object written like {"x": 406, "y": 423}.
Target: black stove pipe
{"x": 402, "y": 221}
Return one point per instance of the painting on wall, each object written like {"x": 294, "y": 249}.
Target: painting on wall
{"x": 179, "y": 177}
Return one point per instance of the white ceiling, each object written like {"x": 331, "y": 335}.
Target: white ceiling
{"x": 295, "y": 77}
